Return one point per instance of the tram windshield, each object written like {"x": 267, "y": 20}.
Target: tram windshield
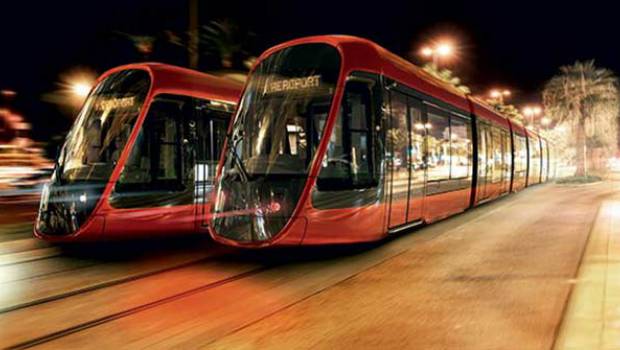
{"x": 94, "y": 144}
{"x": 274, "y": 139}
{"x": 284, "y": 110}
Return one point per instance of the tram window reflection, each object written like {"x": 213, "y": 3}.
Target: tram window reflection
{"x": 438, "y": 128}
{"x": 211, "y": 125}
{"x": 460, "y": 147}
{"x": 155, "y": 160}
{"x": 348, "y": 161}
{"x": 497, "y": 157}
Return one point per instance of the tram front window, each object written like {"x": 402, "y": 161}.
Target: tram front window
{"x": 91, "y": 150}
{"x": 97, "y": 138}
{"x": 274, "y": 138}
{"x": 175, "y": 153}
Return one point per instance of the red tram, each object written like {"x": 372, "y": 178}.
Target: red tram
{"x": 337, "y": 140}
{"x": 141, "y": 156}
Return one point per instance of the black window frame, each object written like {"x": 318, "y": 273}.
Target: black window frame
{"x": 372, "y": 85}
{"x": 181, "y": 190}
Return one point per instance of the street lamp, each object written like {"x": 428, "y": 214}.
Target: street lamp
{"x": 531, "y": 112}
{"x": 499, "y": 95}
{"x": 437, "y": 51}
{"x": 80, "y": 88}
{"x": 76, "y": 85}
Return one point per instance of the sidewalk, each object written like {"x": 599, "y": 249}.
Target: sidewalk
{"x": 592, "y": 318}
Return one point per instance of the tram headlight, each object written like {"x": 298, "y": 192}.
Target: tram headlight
{"x": 274, "y": 207}
{"x": 83, "y": 198}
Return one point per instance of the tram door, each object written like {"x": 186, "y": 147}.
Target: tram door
{"x": 485, "y": 161}
{"x": 405, "y": 160}
{"x": 397, "y": 174}
{"x": 210, "y": 129}
{"x": 417, "y": 160}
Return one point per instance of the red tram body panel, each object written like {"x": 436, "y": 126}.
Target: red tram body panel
{"x": 337, "y": 140}
{"x": 136, "y": 162}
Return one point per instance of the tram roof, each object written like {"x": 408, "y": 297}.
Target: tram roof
{"x": 177, "y": 80}
{"x": 363, "y": 54}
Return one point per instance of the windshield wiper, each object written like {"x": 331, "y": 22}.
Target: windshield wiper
{"x": 232, "y": 146}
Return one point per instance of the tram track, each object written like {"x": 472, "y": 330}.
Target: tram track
{"x": 110, "y": 283}
{"x": 95, "y": 322}
{"x": 229, "y": 277}
{"x": 248, "y": 278}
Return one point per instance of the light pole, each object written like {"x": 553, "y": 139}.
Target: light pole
{"x": 545, "y": 122}
{"x": 499, "y": 95}
{"x": 76, "y": 86}
{"x": 531, "y": 112}
{"x": 437, "y": 52}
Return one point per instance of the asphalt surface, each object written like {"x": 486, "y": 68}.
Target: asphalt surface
{"x": 496, "y": 277}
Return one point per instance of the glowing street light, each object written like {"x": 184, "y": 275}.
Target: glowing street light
{"x": 437, "y": 51}
{"x": 75, "y": 86}
{"x": 80, "y": 88}
{"x": 499, "y": 95}
{"x": 426, "y": 51}
{"x": 444, "y": 49}
{"x": 531, "y": 112}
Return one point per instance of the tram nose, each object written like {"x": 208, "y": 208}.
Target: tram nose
{"x": 64, "y": 209}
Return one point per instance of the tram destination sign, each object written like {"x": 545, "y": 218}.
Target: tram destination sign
{"x": 116, "y": 103}
{"x": 292, "y": 84}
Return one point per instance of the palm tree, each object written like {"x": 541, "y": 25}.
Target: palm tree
{"x": 446, "y": 76}
{"x": 142, "y": 43}
{"x": 224, "y": 39}
{"x": 572, "y": 96}
{"x": 508, "y": 110}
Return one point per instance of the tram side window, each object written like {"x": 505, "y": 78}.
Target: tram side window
{"x": 155, "y": 162}
{"x": 518, "y": 156}
{"x": 460, "y": 147}
{"x": 438, "y": 146}
{"x": 496, "y": 155}
{"x": 397, "y": 136}
{"x": 506, "y": 151}
{"x": 534, "y": 149}
{"x": 348, "y": 160}
{"x": 211, "y": 125}
{"x": 545, "y": 158}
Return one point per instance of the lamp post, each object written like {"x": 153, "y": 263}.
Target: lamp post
{"x": 531, "y": 112}
{"x": 437, "y": 51}
{"x": 499, "y": 95}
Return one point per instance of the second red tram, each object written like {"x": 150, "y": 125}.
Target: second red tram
{"x": 337, "y": 140}
{"x": 140, "y": 157}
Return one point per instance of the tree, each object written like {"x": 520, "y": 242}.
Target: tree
{"x": 142, "y": 43}
{"x": 224, "y": 39}
{"x": 446, "y": 76}
{"x": 509, "y": 111}
{"x": 574, "y": 96}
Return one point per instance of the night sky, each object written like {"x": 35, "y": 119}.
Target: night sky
{"x": 518, "y": 45}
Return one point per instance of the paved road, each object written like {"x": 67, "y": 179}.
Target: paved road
{"x": 497, "y": 277}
